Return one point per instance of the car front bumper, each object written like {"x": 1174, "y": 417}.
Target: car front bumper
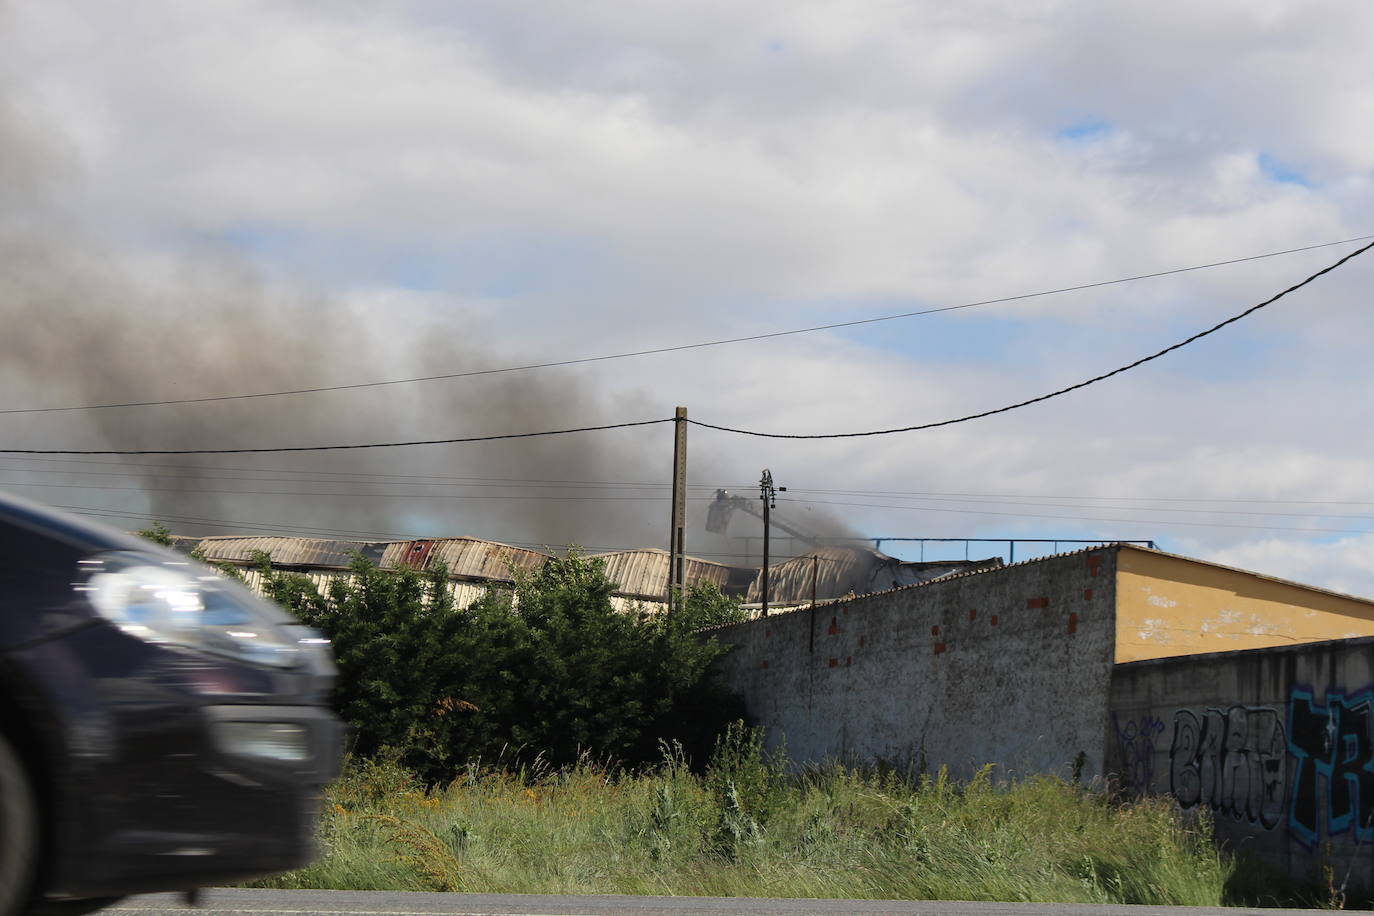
{"x": 173, "y": 771}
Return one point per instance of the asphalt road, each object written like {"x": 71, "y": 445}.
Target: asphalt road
{"x": 236, "y": 902}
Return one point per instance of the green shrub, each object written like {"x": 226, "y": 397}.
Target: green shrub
{"x": 548, "y": 666}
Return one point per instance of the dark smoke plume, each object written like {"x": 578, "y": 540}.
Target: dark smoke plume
{"x": 81, "y": 327}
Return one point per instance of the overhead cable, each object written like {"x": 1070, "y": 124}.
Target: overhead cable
{"x": 344, "y": 494}
{"x": 1044, "y": 397}
{"x": 679, "y": 347}
{"x": 299, "y": 531}
{"x": 368, "y": 477}
{"x": 323, "y": 448}
{"x": 295, "y": 530}
{"x": 743, "y": 432}
{"x": 919, "y": 501}
{"x": 913, "y": 494}
{"x": 1081, "y": 518}
{"x": 916, "y": 502}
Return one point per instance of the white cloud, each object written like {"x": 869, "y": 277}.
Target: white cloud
{"x": 573, "y": 180}
{"x": 1345, "y": 565}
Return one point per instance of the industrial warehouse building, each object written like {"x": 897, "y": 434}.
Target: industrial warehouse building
{"x": 1233, "y": 691}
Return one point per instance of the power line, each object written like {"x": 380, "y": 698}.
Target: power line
{"x": 817, "y": 502}
{"x": 367, "y": 535}
{"x": 743, "y": 432}
{"x": 540, "y": 482}
{"x": 345, "y": 494}
{"x": 677, "y": 348}
{"x": 1207, "y": 511}
{"x": 903, "y": 494}
{"x": 260, "y": 526}
{"x": 1125, "y": 521}
{"x": 371, "y": 476}
{"x": 1052, "y": 394}
{"x": 525, "y": 485}
{"x": 324, "y": 448}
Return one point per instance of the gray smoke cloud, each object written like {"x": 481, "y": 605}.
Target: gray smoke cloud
{"x": 84, "y": 328}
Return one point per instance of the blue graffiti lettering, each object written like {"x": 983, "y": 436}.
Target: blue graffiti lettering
{"x": 1136, "y": 741}
{"x": 1332, "y": 745}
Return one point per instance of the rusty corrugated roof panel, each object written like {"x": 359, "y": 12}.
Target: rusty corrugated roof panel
{"x": 644, "y": 572}
{"x": 466, "y": 558}
{"x": 293, "y": 552}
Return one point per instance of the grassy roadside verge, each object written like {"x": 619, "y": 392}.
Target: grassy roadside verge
{"x": 746, "y": 828}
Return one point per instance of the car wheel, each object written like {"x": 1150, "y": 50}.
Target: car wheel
{"x": 18, "y": 831}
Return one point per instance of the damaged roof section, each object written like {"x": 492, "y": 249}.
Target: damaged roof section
{"x": 289, "y": 552}
{"x": 641, "y": 575}
{"x": 834, "y": 572}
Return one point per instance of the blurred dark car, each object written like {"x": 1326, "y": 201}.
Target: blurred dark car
{"x": 161, "y": 728}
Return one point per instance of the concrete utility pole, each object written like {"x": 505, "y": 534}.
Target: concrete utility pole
{"x": 677, "y": 545}
{"x": 769, "y": 493}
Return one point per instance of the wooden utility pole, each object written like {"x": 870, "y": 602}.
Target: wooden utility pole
{"x": 677, "y": 542}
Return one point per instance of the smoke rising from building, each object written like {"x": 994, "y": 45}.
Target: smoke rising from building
{"x": 85, "y": 326}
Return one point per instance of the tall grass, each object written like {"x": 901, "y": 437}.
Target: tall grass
{"x": 746, "y": 827}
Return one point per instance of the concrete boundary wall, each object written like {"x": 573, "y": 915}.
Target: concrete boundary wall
{"x": 1278, "y": 744}
{"x": 1010, "y": 667}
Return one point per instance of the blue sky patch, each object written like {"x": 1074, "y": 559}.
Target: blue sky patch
{"x": 1086, "y": 130}
{"x": 1281, "y": 172}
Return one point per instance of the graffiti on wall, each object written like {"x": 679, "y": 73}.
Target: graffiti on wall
{"x": 1332, "y": 749}
{"x": 1135, "y": 739}
{"x": 1231, "y": 760}
{"x": 1315, "y": 769}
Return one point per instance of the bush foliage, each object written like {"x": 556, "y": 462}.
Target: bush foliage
{"x": 548, "y": 666}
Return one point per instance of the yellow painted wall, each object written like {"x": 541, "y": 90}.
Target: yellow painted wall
{"x": 1168, "y": 605}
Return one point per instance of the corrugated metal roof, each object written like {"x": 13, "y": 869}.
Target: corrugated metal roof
{"x": 294, "y": 552}
{"x": 467, "y": 558}
{"x": 839, "y": 571}
{"x": 637, "y": 572}
{"x": 644, "y": 572}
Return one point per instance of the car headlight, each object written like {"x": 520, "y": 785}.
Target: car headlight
{"x": 181, "y": 603}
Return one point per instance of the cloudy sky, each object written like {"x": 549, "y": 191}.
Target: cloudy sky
{"x": 237, "y": 197}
